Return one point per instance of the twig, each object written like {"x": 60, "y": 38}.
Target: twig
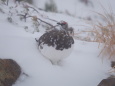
{"x": 24, "y": 16}
{"x": 34, "y": 9}
{"x": 45, "y": 22}
{"x": 52, "y": 20}
{"x": 7, "y": 2}
{"x": 42, "y": 16}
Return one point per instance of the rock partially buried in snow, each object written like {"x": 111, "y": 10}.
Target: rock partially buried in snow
{"x": 108, "y": 82}
{"x": 113, "y": 64}
{"x": 9, "y": 72}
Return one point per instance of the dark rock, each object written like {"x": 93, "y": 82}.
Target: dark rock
{"x": 9, "y": 72}
{"x": 107, "y": 82}
{"x": 113, "y": 64}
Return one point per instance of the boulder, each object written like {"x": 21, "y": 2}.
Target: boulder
{"x": 9, "y": 72}
{"x": 107, "y": 82}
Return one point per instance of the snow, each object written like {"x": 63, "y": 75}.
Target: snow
{"x": 80, "y": 9}
{"x": 82, "y": 68}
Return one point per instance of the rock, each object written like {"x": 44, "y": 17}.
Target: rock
{"x": 113, "y": 64}
{"x": 107, "y": 82}
{"x": 9, "y": 72}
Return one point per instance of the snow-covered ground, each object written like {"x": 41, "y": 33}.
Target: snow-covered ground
{"x": 78, "y": 8}
{"x": 82, "y": 68}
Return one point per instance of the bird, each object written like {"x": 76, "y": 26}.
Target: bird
{"x": 56, "y": 44}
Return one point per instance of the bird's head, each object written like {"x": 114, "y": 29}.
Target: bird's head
{"x": 63, "y": 24}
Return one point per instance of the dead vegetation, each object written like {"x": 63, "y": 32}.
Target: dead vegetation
{"x": 105, "y": 33}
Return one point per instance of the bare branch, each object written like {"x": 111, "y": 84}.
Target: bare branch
{"x": 24, "y": 16}
{"x": 45, "y": 22}
{"x": 40, "y": 14}
{"x": 52, "y": 20}
{"x": 34, "y": 9}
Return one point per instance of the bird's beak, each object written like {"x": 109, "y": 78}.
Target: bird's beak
{"x": 59, "y": 23}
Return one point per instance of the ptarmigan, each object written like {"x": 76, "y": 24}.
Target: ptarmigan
{"x": 56, "y": 44}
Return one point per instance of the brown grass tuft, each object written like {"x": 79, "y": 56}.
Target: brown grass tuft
{"x": 105, "y": 33}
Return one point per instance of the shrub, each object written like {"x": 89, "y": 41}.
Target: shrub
{"x": 51, "y": 6}
{"x": 9, "y": 19}
{"x": 87, "y": 2}
{"x": 5, "y": 1}
{"x": 29, "y": 1}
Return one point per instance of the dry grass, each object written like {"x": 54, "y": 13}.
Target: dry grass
{"x": 105, "y": 33}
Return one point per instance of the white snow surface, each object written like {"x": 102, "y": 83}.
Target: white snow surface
{"x": 82, "y": 68}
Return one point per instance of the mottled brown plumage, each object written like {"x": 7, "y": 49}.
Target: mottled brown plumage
{"x": 58, "y": 38}
{"x": 56, "y": 44}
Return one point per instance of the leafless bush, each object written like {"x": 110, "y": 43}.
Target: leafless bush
{"x": 1, "y": 11}
{"x": 9, "y": 19}
{"x": 5, "y": 2}
{"x": 87, "y": 2}
{"x": 51, "y": 6}
{"x": 29, "y": 1}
